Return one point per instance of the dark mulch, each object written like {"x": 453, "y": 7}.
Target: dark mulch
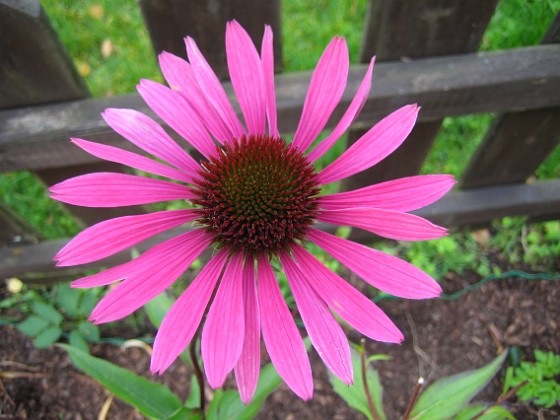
{"x": 442, "y": 338}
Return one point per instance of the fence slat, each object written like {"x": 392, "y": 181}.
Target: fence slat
{"x": 517, "y": 143}
{"x": 526, "y": 78}
{"x": 428, "y": 28}
{"x": 35, "y": 68}
{"x": 169, "y": 21}
{"x": 15, "y": 230}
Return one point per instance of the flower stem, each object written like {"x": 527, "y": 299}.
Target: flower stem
{"x": 371, "y": 405}
{"x": 198, "y": 372}
{"x": 501, "y": 399}
{"x": 413, "y": 398}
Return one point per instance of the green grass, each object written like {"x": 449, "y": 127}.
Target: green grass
{"x": 109, "y": 45}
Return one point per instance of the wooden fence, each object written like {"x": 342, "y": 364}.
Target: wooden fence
{"x": 43, "y": 102}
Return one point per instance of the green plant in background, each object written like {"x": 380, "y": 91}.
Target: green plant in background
{"x": 61, "y": 313}
{"x": 448, "y": 397}
{"x": 539, "y": 379}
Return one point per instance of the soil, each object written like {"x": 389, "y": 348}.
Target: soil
{"x": 442, "y": 338}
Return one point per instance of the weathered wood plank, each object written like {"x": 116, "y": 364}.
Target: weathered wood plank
{"x": 169, "y": 21}
{"x": 397, "y": 29}
{"x": 428, "y": 28}
{"x": 513, "y": 148}
{"x": 15, "y": 230}
{"x": 516, "y": 143}
{"x": 458, "y": 208}
{"x": 522, "y": 79}
{"x": 34, "y": 67}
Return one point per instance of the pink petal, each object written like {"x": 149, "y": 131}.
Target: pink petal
{"x": 379, "y": 142}
{"x": 176, "y": 71}
{"x": 325, "y": 90}
{"x": 357, "y": 310}
{"x": 182, "y": 320}
{"x": 245, "y": 71}
{"x": 224, "y": 330}
{"x": 280, "y": 334}
{"x": 404, "y": 194}
{"x": 109, "y": 276}
{"x": 348, "y": 118}
{"x": 156, "y": 272}
{"x": 383, "y": 271}
{"x": 248, "y": 367}
{"x": 179, "y": 76}
{"x": 111, "y": 236}
{"x": 148, "y": 135}
{"x": 267, "y": 57}
{"x": 324, "y": 331}
{"x": 172, "y": 108}
{"x": 133, "y": 160}
{"x": 209, "y": 83}
{"x": 107, "y": 189}
{"x": 387, "y": 223}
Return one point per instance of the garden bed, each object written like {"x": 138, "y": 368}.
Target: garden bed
{"x": 442, "y": 338}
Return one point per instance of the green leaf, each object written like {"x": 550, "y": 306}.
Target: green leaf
{"x": 89, "y": 331}
{"x": 48, "y": 337}
{"x": 47, "y": 312}
{"x": 33, "y": 326}
{"x": 153, "y": 400}
{"x": 493, "y": 413}
{"x": 67, "y": 299}
{"x": 87, "y": 301}
{"x": 355, "y": 395}
{"x": 186, "y": 414}
{"x": 228, "y": 405}
{"x": 76, "y": 339}
{"x": 447, "y": 396}
{"x": 157, "y": 308}
{"x": 193, "y": 401}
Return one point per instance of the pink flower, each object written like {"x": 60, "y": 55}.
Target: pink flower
{"x": 254, "y": 200}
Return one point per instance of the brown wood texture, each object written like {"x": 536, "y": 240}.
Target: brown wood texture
{"x": 514, "y": 147}
{"x": 517, "y": 143}
{"x": 399, "y": 29}
{"x": 527, "y": 78}
{"x": 34, "y": 67}
{"x": 169, "y": 21}
{"x": 15, "y": 230}
{"x": 458, "y": 208}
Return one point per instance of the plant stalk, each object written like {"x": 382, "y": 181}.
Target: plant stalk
{"x": 501, "y": 399}
{"x": 413, "y": 398}
{"x": 371, "y": 405}
{"x": 198, "y": 372}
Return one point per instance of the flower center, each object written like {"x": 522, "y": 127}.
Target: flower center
{"x": 258, "y": 194}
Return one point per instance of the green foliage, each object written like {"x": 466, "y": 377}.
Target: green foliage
{"x": 158, "y": 401}
{"x": 519, "y": 23}
{"x": 151, "y": 399}
{"x": 490, "y": 413}
{"x": 542, "y": 387}
{"x": 227, "y": 405}
{"x": 447, "y": 396}
{"x": 61, "y": 312}
{"x": 457, "y": 252}
{"x": 355, "y": 394}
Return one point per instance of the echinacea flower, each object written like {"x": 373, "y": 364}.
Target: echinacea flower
{"x": 254, "y": 199}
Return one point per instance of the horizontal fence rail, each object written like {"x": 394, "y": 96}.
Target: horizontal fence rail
{"x": 521, "y": 79}
{"x": 458, "y": 208}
